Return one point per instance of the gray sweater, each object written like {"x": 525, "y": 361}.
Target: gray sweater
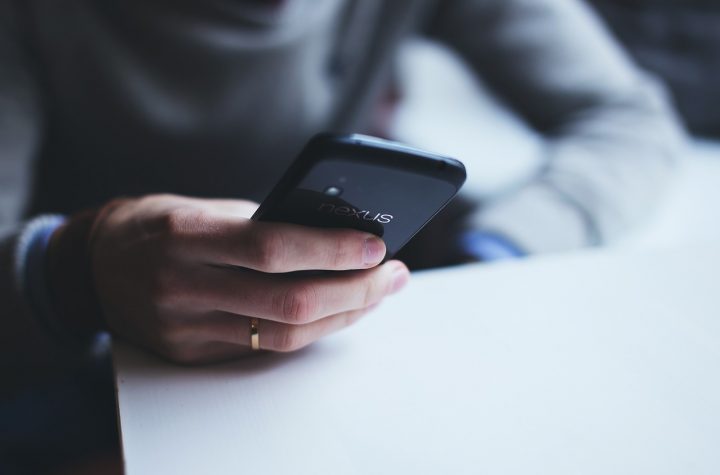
{"x": 214, "y": 98}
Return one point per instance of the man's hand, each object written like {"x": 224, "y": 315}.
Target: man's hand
{"x": 182, "y": 277}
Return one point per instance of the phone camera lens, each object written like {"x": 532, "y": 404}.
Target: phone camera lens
{"x": 333, "y": 191}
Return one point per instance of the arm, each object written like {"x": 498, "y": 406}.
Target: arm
{"x": 184, "y": 278}
{"x": 612, "y": 141}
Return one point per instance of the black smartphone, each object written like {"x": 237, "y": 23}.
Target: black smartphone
{"x": 365, "y": 183}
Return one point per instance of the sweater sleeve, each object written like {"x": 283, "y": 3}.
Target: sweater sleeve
{"x": 612, "y": 141}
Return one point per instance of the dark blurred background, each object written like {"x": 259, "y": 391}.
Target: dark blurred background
{"x": 679, "y": 40}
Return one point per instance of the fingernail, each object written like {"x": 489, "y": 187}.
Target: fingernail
{"x": 373, "y": 251}
{"x": 399, "y": 279}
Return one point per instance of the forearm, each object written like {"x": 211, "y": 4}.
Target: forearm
{"x": 606, "y": 170}
{"x": 603, "y": 176}
{"x": 611, "y": 139}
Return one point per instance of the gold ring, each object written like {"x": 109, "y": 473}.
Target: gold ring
{"x": 254, "y": 335}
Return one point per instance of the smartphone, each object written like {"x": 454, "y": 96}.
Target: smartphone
{"x": 364, "y": 183}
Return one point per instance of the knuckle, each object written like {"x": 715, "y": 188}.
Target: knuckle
{"x": 172, "y": 222}
{"x": 298, "y": 305}
{"x": 267, "y": 250}
{"x": 181, "y": 220}
{"x": 288, "y": 339}
{"x": 338, "y": 253}
{"x": 371, "y": 290}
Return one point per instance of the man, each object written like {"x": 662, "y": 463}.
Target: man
{"x": 205, "y": 100}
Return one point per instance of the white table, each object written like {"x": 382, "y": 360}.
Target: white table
{"x": 604, "y": 363}
{"x": 585, "y": 363}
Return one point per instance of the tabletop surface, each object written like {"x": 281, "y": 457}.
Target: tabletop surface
{"x": 595, "y": 362}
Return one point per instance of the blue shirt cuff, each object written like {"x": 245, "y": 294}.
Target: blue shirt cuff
{"x": 30, "y": 268}
{"x": 32, "y": 283}
{"x": 488, "y": 246}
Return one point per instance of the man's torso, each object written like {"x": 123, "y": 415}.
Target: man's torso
{"x": 198, "y": 98}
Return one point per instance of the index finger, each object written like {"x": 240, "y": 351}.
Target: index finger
{"x": 281, "y": 247}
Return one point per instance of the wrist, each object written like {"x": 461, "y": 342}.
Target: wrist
{"x": 68, "y": 271}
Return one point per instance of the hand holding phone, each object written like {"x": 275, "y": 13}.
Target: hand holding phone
{"x": 183, "y": 277}
{"x": 186, "y": 277}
